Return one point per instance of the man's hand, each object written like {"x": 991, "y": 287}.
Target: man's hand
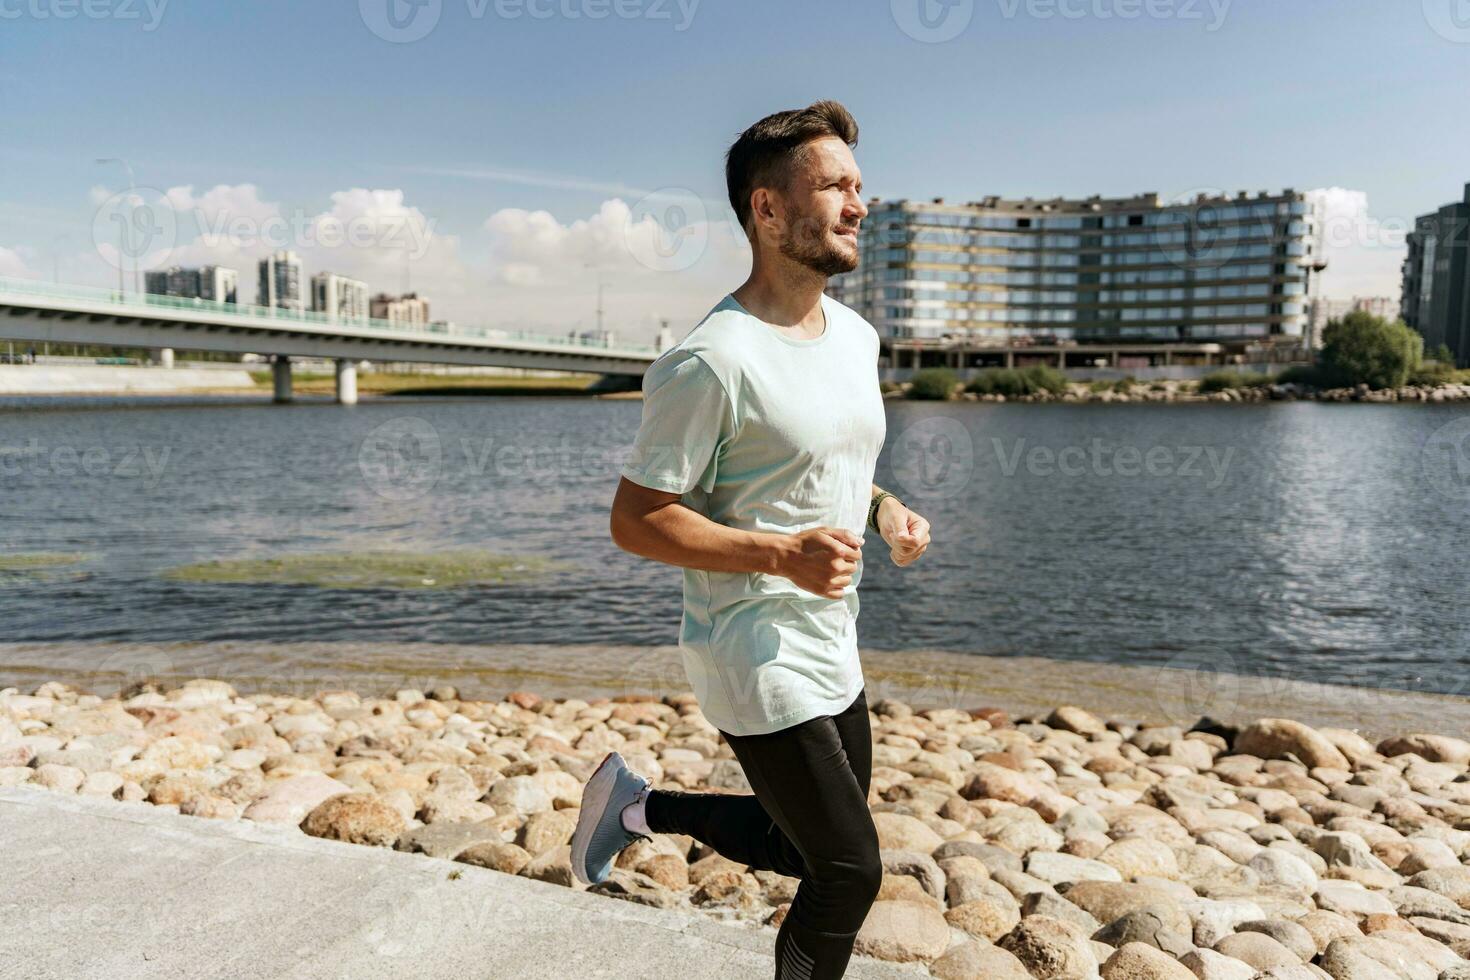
{"x": 906, "y": 533}
{"x": 821, "y": 560}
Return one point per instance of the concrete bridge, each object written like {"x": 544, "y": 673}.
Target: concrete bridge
{"x": 50, "y": 313}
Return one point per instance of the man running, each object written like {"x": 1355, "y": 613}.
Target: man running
{"x": 753, "y": 470}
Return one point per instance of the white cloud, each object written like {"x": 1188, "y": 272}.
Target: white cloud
{"x": 13, "y": 263}
{"x": 667, "y": 256}
{"x": 1364, "y": 251}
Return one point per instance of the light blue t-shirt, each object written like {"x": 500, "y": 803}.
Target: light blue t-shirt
{"x": 763, "y": 432}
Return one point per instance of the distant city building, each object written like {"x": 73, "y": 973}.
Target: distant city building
{"x": 212, "y": 282}
{"x": 1324, "y": 311}
{"x": 408, "y": 310}
{"x": 1436, "y": 300}
{"x": 1382, "y": 306}
{"x": 219, "y": 284}
{"x": 339, "y": 297}
{"x": 280, "y": 282}
{"x": 1006, "y": 275}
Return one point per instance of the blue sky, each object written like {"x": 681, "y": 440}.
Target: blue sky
{"x": 506, "y": 109}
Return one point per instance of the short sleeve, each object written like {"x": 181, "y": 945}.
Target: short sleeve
{"x": 687, "y": 418}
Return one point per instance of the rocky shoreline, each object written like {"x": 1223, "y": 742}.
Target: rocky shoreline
{"x": 1188, "y": 391}
{"x": 1063, "y": 846}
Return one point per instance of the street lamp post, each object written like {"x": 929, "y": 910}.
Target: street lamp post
{"x": 132, "y": 194}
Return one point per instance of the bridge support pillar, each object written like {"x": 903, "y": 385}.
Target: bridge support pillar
{"x": 346, "y": 382}
{"x": 281, "y": 376}
{"x": 165, "y": 357}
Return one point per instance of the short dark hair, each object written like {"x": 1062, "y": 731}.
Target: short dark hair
{"x": 763, "y": 154}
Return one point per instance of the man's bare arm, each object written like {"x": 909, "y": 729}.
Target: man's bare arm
{"x": 656, "y": 524}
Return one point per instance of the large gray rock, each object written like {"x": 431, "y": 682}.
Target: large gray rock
{"x": 1057, "y": 868}
{"x": 1257, "y": 949}
{"x": 1351, "y": 899}
{"x": 357, "y": 818}
{"x": 1280, "y": 869}
{"x": 970, "y": 960}
{"x": 1435, "y": 748}
{"x": 1280, "y": 738}
{"x": 1139, "y": 961}
{"x": 1344, "y": 849}
{"x": 903, "y": 932}
{"x": 1206, "y": 964}
{"x": 1368, "y": 958}
{"x": 916, "y": 865}
{"x": 1147, "y": 926}
{"x": 1289, "y": 934}
{"x": 640, "y": 889}
{"x": 289, "y": 800}
{"x": 1051, "y": 949}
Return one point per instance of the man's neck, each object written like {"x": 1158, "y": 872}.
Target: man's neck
{"x": 785, "y": 294}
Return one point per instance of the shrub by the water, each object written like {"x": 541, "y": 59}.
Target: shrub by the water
{"x": 1120, "y": 385}
{"x": 1365, "y": 349}
{"x": 1015, "y": 382}
{"x": 933, "y": 384}
{"x": 1306, "y": 375}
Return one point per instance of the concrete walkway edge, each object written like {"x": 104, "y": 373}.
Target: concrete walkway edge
{"x": 98, "y": 888}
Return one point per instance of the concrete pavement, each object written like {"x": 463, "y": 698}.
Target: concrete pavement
{"x": 97, "y": 888}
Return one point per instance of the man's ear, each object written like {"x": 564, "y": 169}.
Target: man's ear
{"x": 763, "y": 207}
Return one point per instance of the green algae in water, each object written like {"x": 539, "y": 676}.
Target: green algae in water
{"x": 371, "y": 570}
{"x": 38, "y": 566}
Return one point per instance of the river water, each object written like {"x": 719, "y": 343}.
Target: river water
{"x": 1318, "y": 542}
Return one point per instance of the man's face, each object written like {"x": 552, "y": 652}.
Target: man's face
{"x": 822, "y": 208}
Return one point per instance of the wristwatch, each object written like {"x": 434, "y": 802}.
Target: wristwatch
{"x": 873, "y": 506}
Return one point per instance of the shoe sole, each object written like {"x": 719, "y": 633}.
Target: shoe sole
{"x": 594, "y": 804}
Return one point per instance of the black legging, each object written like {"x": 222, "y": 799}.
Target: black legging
{"x": 808, "y": 819}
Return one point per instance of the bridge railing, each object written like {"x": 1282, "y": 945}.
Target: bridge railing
{"x": 282, "y": 316}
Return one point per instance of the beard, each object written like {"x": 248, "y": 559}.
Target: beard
{"x": 811, "y": 244}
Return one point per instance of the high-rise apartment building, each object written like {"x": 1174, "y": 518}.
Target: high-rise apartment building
{"x": 1216, "y": 272}
{"x": 280, "y": 282}
{"x": 341, "y": 298}
{"x": 1436, "y": 300}
{"x": 211, "y": 282}
{"x": 409, "y": 310}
